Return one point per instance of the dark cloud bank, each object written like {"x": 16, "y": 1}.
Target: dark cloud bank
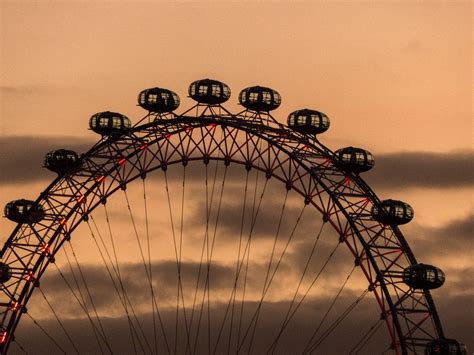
{"x": 21, "y": 159}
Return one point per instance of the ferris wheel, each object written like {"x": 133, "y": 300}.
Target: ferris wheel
{"x": 215, "y": 232}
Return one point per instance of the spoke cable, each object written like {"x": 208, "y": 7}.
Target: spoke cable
{"x": 321, "y": 322}
{"x": 291, "y": 312}
{"x": 46, "y": 333}
{"x": 147, "y": 230}
{"x": 76, "y": 282}
{"x": 102, "y": 331}
{"x": 366, "y": 337}
{"x": 259, "y": 306}
{"x": 334, "y": 325}
{"x": 59, "y": 320}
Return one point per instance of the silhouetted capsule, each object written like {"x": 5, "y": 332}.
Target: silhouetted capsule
{"x": 109, "y": 123}
{"x": 308, "y": 121}
{"x": 5, "y": 273}
{"x": 62, "y": 161}
{"x": 422, "y": 276}
{"x": 445, "y": 347}
{"x": 158, "y": 100}
{"x": 354, "y": 160}
{"x": 208, "y": 91}
{"x": 22, "y": 211}
{"x": 392, "y": 212}
{"x": 259, "y": 98}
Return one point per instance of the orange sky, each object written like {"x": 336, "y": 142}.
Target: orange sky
{"x": 380, "y": 70}
{"x": 392, "y": 76}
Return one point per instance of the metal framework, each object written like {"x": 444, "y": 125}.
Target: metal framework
{"x": 256, "y": 140}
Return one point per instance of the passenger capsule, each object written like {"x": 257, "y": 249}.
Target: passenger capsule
{"x": 109, "y": 123}
{"x": 62, "y": 161}
{"x": 22, "y": 211}
{"x": 445, "y": 347}
{"x": 158, "y": 100}
{"x": 354, "y": 160}
{"x": 308, "y": 121}
{"x": 5, "y": 273}
{"x": 422, "y": 276}
{"x": 208, "y": 91}
{"x": 259, "y": 98}
{"x": 392, "y": 212}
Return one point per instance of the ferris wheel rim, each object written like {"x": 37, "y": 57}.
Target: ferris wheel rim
{"x": 202, "y": 122}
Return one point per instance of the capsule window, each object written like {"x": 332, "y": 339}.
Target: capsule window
{"x": 301, "y": 120}
{"x": 116, "y": 123}
{"x": 325, "y": 120}
{"x": 360, "y": 157}
{"x": 399, "y": 211}
{"x": 266, "y": 97}
{"x": 202, "y": 89}
{"x": 192, "y": 90}
{"x": 103, "y": 121}
{"x": 142, "y": 98}
{"x": 226, "y": 91}
{"x": 165, "y": 96}
{"x": 216, "y": 90}
{"x": 291, "y": 119}
{"x": 276, "y": 98}
{"x": 253, "y": 97}
{"x": 346, "y": 157}
{"x": 153, "y": 98}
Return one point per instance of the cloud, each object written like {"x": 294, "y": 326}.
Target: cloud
{"x": 293, "y": 339}
{"x": 422, "y": 169}
{"x": 452, "y": 240}
{"x": 21, "y": 157}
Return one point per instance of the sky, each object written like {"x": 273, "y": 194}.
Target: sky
{"x": 395, "y": 77}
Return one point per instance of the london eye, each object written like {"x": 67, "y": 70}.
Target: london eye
{"x": 217, "y": 232}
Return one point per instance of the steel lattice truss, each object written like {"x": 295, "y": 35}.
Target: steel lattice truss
{"x": 256, "y": 141}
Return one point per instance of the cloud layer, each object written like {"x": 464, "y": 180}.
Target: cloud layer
{"x": 21, "y": 159}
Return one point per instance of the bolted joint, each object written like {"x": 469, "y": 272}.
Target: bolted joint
{"x": 325, "y": 217}
{"x": 268, "y": 173}
{"x": 184, "y": 160}
{"x": 248, "y": 165}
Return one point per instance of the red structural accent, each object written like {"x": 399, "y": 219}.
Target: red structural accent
{"x": 122, "y": 161}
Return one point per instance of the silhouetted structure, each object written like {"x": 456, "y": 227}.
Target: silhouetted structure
{"x": 424, "y": 277}
{"x": 259, "y": 98}
{"x": 445, "y": 347}
{"x": 392, "y": 212}
{"x": 24, "y": 211}
{"x": 208, "y": 91}
{"x": 109, "y": 123}
{"x": 62, "y": 161}
{"x": 308, "y": 121}
{"x": 5, "y": 273}
{"x": 252, "y": 138}
{"x": 353, "y": 160}
{"x": 158, "y": 100}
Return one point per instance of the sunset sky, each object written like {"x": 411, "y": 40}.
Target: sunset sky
{"x": 395, "y": 77}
